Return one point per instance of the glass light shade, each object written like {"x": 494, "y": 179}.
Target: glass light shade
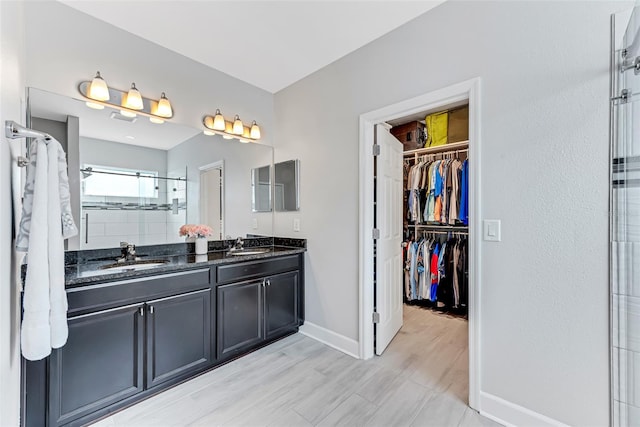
{"x": 133, "y": 99}
{"x": 228, "y": 129}
{"x": 98, "y": 89}
{"x": 156, "y": 120}
{"x": 127, "y": 113}
{"x": 218, "y": 121}
{"x": 94, "y": 105}
{"x": 164, "y": 107}
{"x": 255, "y": 130}
{"x": 238, "y": 127}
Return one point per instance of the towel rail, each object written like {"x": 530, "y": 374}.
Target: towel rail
{"x": 13, "y": 130}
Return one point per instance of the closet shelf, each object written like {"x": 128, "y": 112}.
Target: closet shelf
{"x": 439, "y": 149}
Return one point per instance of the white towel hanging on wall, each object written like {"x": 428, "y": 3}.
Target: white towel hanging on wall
{"x": 46, "y": 221}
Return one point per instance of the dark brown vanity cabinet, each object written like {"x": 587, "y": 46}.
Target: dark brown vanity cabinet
{"x": 131, "y": 338}
{"x": 260, "y": 304}
{"x": 178, "y": 335}
{"x": 102, "y": 363}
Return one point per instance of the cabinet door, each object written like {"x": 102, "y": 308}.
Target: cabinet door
{"x": 281, "y": 304}
{"x": 101, "y": 363}
{"x": 239, "y": 316}
{"x": 178, "y": 335}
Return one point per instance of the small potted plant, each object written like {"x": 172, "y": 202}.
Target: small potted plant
{"x": 199, "y": 232}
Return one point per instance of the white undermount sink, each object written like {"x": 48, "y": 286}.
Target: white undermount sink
{"x": 248, "y": 252}
{"x": 135, "y": 265}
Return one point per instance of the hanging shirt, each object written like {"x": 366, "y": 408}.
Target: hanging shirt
{"x": 464, "y": 194}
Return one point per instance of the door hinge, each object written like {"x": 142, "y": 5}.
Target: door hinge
{"x": 376, "y": 150}
{"x": 376, "y": 233}
{"x": 376, "y": 317}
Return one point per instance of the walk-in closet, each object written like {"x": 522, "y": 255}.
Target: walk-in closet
{"x": 435, "y": 247}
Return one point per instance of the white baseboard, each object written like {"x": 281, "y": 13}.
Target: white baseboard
{"x": 510, "y": 414}
{"x": 330, "y": 338}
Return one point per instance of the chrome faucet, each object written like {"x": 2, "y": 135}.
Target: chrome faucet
{"x": 128, "y": 252}
{"x": 238, "y": 245}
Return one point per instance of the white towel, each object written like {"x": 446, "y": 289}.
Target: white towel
{"x": 46, "y": 221}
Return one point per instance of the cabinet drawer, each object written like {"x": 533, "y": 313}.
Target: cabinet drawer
{"x": 251, "y": 269}
{"x": 112, "y": 294}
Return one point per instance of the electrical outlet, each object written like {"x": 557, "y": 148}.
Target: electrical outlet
{"x": 296, "y": 224}
{"x": 254, "y": 223}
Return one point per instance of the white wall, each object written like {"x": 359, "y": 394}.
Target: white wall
{"x": 544, "y": 126}
{"x": 11, "y": 108}
{"x": 239, "y": 159}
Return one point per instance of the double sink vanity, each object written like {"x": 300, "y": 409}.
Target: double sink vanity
{"x": 139, "y": 329}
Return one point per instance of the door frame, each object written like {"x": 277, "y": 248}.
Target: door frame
{"x": 466, "y": 90}
{"x": 204, "y": 169}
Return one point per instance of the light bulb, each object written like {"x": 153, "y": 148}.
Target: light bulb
{"x": 98, "y": 89}
{"x": 228, "y": 130}
{"x": 94, "y": 105}
{"x": 133, "y": 99}
{"x": 127, "y": 113}
{"x": 255, "y": 130}
{"x": 218, "y": 121}
{"x": 164, "y": 107}
{"x": 238, "y": 127}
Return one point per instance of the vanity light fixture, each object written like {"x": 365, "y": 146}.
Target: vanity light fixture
{"x": 130, "y": 103}
{"x": 217, "y": 125}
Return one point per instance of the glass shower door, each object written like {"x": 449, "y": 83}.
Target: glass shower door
{"x": 625, "y": 226}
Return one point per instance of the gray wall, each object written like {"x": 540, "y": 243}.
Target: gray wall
{"x": 56, "y": 129}
{"x": 239, "y": 159}
{"x": 74, "y": 45}
{"x": 544, "y": 127}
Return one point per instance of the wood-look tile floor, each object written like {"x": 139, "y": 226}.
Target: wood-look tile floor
{"x": 420, "y": 380}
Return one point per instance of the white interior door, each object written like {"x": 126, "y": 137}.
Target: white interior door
{"x": 388, "y": 289}
{"x": 211, "y": 201}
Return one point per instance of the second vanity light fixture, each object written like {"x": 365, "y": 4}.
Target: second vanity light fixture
{"x": 218, "y": 125}
{"x": 130, "y": 103}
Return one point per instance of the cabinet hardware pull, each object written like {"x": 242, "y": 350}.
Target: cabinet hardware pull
{"x": 263, "y": 283}
{"x": 268, "y": 282}
{"x": 151, "y": 309}
{"x": 141, "y": 311}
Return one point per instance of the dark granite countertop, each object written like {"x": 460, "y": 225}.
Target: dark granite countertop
{"x": 83, "y": 267}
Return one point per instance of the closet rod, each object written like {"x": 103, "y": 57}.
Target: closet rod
{"x": 440, "y": 148}
{"x": 464, "y": 233}
{"x": 13, "y": 130}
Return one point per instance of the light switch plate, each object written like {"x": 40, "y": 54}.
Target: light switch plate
{"x": 491, "y": 230}
{"x": 254, "y": 223}
{"x": 296, "y": 224}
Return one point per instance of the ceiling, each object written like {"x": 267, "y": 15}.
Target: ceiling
{"x": 269, "y": 44}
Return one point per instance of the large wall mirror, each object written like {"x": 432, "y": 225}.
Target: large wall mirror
{"x": 261, "y": 189}
{"x": 136, "y": 181}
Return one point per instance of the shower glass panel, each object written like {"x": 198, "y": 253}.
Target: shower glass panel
{"x": 625, "y": 225}
{"x": 139, "y": 207}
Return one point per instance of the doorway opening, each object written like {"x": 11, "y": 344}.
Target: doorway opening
{"x": 212, "y": 197}
{"x": 382, "y": 274}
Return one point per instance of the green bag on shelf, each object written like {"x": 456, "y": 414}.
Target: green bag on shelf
{"x": 437, "y": 124}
